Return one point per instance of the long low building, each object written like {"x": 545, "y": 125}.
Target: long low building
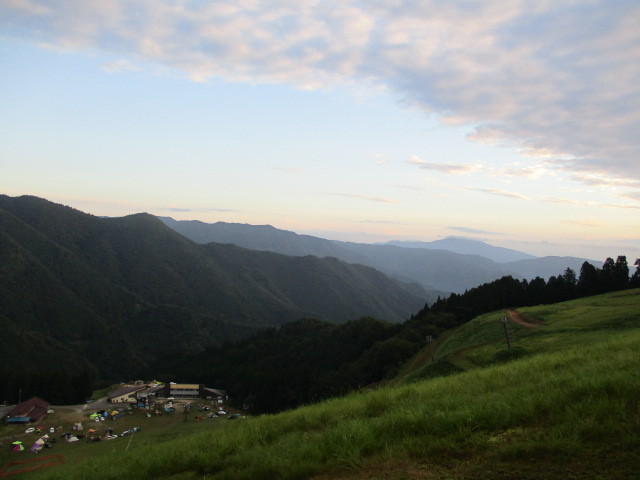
{"x": 135, "y": 393}
{"x": 189, "y": 390}
{"x": 125, "y": 394}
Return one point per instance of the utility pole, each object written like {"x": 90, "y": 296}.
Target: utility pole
{"x": 506, "y": 332}
{"x": 429, "y": 339}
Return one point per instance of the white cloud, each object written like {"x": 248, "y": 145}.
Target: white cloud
{"x": 119, "y": 66}
{"x": 289, "y": 170}
{"x": 557, "y": 80}
{"x": 447, "y": 168}
{"x": 27, "y": 6}
{"x": 381, "y": 159}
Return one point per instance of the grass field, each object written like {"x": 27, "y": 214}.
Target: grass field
{"x": 567, "y": 406}
{"x": 153, "y": 430}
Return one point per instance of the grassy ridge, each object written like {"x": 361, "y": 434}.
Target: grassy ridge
{"x": 566, "y": 325}
{"x": 569, "y": 409}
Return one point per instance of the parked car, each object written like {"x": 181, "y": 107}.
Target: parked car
{"x": 30, "y": 430}
{"x": 130, "y": 431}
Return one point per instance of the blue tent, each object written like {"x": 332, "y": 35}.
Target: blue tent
{"x": 18, "y": 419}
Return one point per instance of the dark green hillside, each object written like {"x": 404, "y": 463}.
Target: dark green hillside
{"x": 302, "y": 362}
{"x": 120, "y": 292}
{"x": 58, "y": 316}
{"x": 324, "y": 288}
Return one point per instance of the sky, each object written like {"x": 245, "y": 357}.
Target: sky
{"x": 513, "y": 122}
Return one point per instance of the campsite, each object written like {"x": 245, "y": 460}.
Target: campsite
{"x": 132, "y": 431}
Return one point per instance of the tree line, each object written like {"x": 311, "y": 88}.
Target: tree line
{"x": 510, "y": 292}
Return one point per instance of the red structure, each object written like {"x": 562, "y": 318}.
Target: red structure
{"x": 35, "y": 408}
{"x": 13, "y": 467}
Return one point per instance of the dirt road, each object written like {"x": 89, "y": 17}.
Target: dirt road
{"x": 524, "y": 319}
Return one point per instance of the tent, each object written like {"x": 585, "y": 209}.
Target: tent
{"x": 17, "y": 446}
{"x": 37, "y": 446}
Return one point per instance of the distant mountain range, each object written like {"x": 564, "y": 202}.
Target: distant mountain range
{"x": 441, "y": 267}
{"x": 119, "y": 292}
{"x": 468, "y": 247}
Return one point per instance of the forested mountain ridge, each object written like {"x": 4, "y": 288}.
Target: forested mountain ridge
{"x": 256, "y": 237}
{"x": 119, "y": 292}
{"x": 442, "y": 266}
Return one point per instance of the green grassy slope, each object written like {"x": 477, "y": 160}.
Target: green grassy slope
{"x": 567, "y": 408}
{"x": 482, "y": 342}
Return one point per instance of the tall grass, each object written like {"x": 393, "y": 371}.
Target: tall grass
{"x": 556, "y": 403}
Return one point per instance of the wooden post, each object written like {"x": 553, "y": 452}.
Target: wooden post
{"x": 429, "y": 339}
{"x": 506, "y": 332}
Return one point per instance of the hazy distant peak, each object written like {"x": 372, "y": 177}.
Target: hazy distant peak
{"x": 467, "y": 246}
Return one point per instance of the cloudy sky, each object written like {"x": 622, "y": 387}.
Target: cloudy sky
{"x": 514, "y": 122}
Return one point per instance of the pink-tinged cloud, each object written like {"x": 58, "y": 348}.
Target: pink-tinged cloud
{"x": 474, "y": 231}
{"x": 633, "y": 196}
{"x": 366, "y": 197}
{"x": 602, "y": 180}
{"x": 586, "y": 223}
{"x": 500, "y": 193}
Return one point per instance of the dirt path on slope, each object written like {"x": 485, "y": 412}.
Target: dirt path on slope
{"x": 524, "y": 319}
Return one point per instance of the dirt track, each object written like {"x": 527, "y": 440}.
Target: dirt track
{"x": 524, "y": 319}
{"x": 99, "y": 404}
